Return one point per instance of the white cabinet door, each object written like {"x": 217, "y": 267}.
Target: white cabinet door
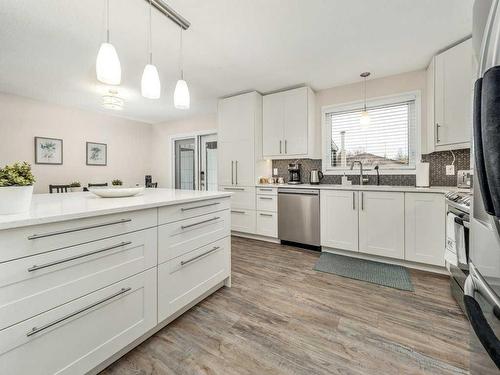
{"x": 243, "y": 221}
{"x": 225, "y": 163}
{"x": 237, "y": 118}
{"x": 272, "y": 128}
{"x": 453, "y": 95}
{"x": 236, "y": 163}
{"x": 267, "y": 224}
{"x": 339, "y": 219}
{"x": 425, "y": 228}
{"x": 381, "y": 224}
{"x": 295, "y": 123}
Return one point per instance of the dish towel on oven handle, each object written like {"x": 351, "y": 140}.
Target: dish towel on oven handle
{"x": 450, "y": 254}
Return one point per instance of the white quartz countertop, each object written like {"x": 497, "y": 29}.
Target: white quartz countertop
{"x": 49, "y": 208}
{"x": 407, "y": 189}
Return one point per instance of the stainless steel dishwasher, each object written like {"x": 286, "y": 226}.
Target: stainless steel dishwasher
{"x": 298, "y": 216}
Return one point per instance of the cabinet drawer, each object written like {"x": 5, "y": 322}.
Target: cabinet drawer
{"x": 30, "y": 286}
{"x": 27, "y": 241}
{"x": 178, "y": 212}
{"x": 267, "y": 191}
{"x": 182, "y": 280}
{"x": 243, "y": 221}
{"x": 243, "y": 197}
{"x": 267, "y": 203}
{"x": 267, "y": 224}
{"x": 178, "y": 238}
{"x": 76, "y": 337}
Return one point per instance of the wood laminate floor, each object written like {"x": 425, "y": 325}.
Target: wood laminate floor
{"x": 282, "y": 317}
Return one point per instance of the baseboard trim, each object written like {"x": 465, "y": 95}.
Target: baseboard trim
{"x": 155, "y": 329}
{"x": 399, "y": 262}
{"x": 255, "y": 237}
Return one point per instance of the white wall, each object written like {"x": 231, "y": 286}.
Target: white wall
{"x": 161, "y": 143}
{"x": 129, "y": 142}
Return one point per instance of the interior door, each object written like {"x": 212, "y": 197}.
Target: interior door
{"x": 208, "y": 162}
{"x": 295, "y": 122}
{"x": 381, "y": 224}
{"x": 185, "y": 163}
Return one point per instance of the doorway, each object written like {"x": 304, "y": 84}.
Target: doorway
{"x": 195, "y": 162}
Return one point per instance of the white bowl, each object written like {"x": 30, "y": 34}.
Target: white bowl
{"x": 117, "y": 192}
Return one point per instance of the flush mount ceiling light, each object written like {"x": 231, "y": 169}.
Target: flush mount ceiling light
{"x": 111, "y": 100}
{"x": 181, "y": 93}
{"x": 365, "y": 116}
{"x": 150, "y": 82}
{"x": 108, "y": 68}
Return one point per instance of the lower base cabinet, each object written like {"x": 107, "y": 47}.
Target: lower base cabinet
{"x": 185, "y": 278}
{"x": 243, "y": 220}
{"x": 267, "y": 224}
{"x": 76, "y": 337}
{"x": 382, "y": 224}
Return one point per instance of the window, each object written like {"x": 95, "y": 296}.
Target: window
{"x": 389, "y": 141}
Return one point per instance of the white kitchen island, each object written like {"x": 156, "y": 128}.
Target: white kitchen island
{"x": 85, "y": 279}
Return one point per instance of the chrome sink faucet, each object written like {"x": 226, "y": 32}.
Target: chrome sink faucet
{"x": 361, "y": 179}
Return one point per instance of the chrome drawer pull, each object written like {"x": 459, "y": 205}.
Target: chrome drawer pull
{"x": 184, "y": 262}
{"x": 35, "y": 267}
{"x": 266, "y": 215}
{"x": 266, "y": 198}
{"x": 36, "y": 330}
{"x": 194, "y": 208}
{"x": 200, "y": 222}
{"x": 265, "y": 189}
{"x": 235, "y": 189}
{"x": 238, "y": 212}
{"x": 50, "y": 234}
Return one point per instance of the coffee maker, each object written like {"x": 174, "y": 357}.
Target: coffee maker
{"x": 294, "y": 173}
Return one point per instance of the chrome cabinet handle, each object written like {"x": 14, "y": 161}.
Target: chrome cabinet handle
{"x": 238, "y": 212}
{"x": 362, "y": 201}
{"x": 232, "y": 172}
{"x": 184, "y": 262}
{"x": 437, "y": 133}
{"x": 265, "y": 189}
{"x": 50, "y": 264}
{"x": 36, "y": 330}
{"x": 199, "y": 223}
{"x": 236, "y": 162}
{"x": 234, "y": 189}
{"x": 65, "y": 231}
{"x": 261, "y": 214}
{"x": 194, "y": 208}
{"x": 353, "y": 200}
{"x": 280, "y": 146}
{"x": 266, "y": 198}
{"x": 286, "y": 143}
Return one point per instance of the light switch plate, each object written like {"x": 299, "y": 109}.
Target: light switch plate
{"x": 450, "y": 170}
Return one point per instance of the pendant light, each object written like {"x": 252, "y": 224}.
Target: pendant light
{"x": 365, "y": 117}
{"x": 150, "y": 82}
{"x": 108, "y": 68}
{"x": 181, "y": 93}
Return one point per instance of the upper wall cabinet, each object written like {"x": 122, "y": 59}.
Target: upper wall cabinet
{"x": 289, "y": 130}
{"x": 450, "y": 78}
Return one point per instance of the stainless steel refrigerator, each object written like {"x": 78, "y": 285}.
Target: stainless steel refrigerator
{"x": 482, "y": 287}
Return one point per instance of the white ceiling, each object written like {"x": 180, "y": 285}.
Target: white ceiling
{"x": 48, "y": 48}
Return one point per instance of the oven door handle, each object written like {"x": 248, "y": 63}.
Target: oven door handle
{"x": 475, "y": 283}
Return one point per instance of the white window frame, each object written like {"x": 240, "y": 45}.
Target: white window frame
{"x": 326, "y": 131}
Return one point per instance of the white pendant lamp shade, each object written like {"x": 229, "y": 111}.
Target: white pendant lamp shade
{"x": 150, "y": 82}
{"x": 108, "y": 66}
{"x": 181, "y": 95}
{"x": 365, "y": 119}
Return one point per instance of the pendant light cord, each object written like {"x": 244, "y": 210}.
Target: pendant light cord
{"x": 365, "y": 93}
{"x": 107, "y": 21}
{"x": 150, "y": 39}
{"x": 180, "y": 55}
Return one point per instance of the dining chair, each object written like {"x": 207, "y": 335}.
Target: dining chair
{"x": 58, "y": 188}
{"x": 152, "y": 185}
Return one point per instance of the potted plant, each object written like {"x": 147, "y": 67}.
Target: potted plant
{"x": 16, "y": 188}
{"x": 117, "y": 182}
{"x": 75, "y": 186}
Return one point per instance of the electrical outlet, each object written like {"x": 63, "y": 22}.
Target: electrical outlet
{"x": 275, "y": 171}
{"x": 450, "y": 170}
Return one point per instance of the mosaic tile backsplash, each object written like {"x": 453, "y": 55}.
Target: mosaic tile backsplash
{"x": 437, "y": 170}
